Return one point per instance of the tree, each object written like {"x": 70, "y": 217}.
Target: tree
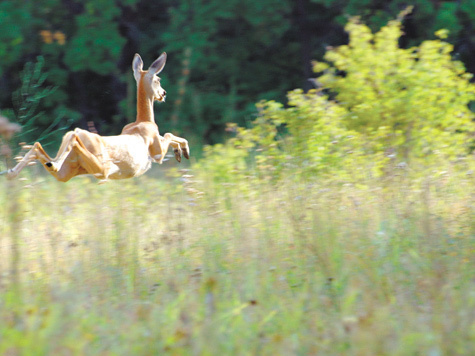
{"x": 229, "y": 60}
{"x": 224, "y": 56}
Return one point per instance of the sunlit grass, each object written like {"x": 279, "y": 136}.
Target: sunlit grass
{"x": 186, "y": 266}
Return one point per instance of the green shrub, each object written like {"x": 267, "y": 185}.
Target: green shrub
{"x": 379, "y": 106}
{"x": 420, "y": 95}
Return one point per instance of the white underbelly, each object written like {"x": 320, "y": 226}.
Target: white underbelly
{"x": 128, "y": 156}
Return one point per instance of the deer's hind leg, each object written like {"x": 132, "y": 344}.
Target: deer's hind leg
{"x": 64, "y": 150}
{"x": 38, "y": 153}
{"x": 89, "y": 161}
{"x": 35, "y": 153}
{"x": 74, "y": 157}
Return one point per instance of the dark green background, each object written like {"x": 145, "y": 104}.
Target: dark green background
{"x": 223, "y": 56}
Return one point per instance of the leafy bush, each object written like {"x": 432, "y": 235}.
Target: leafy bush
{"x": 379, "y": 106}
{"x": 418, "y": 96}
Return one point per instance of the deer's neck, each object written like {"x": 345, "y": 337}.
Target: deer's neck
{"x": 144, "y": 105}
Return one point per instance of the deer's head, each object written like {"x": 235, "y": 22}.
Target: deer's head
{"x": 148, "y": 80}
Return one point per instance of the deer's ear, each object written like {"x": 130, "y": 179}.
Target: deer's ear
{"x": 158, "y": 65}
{"x": 137, "y": 65}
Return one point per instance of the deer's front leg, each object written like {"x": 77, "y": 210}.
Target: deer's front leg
{"x": 179, "y": 144}
{"x": 159, "y": 148}
{"x": 160, "y": 145}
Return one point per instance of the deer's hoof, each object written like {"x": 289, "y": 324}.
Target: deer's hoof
{"x": 186, "y": 153}
{"x": 178, "y": 154}
{"x": 11, "y": 174}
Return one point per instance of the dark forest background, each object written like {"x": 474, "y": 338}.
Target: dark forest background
{"x": 66, "y": 63}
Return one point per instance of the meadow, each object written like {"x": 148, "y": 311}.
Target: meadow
{"x": 185, "y": 265}
{"x": 339, "y": 223}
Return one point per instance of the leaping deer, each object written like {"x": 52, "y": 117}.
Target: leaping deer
{"x": 127, "y": 155}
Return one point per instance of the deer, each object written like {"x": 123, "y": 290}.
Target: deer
{"x": 127, "y": 155}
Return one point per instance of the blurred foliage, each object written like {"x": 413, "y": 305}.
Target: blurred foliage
{"x": 229, "y": 62}
{"x": 379, "y": 107}
{"x": 223, "y": 57}
{"x": 186, "y": 267}
{"x": 96, "y": 43}
{"x": 410, "y": 102}
{"x": 28, "y": 104}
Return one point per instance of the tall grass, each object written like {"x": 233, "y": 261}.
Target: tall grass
{"x": 186, "y": 266}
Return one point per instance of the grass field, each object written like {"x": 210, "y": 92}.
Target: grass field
{"x": 184, "y": 266}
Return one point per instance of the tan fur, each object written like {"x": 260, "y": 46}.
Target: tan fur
{"x": 127, "y": 155}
